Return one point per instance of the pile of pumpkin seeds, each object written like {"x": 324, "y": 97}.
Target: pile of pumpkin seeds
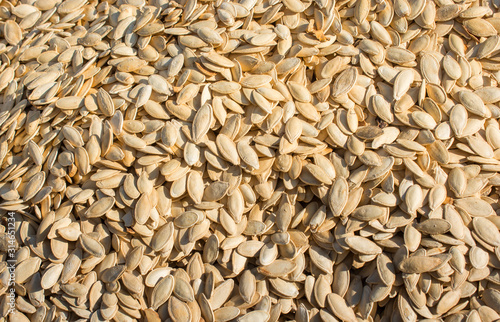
{"x": 250, "y": 160}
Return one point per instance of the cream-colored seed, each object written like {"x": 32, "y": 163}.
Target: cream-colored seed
{"x": 250, "y": 160}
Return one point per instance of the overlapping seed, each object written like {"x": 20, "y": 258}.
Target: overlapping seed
{"x": 250, "y": 160}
